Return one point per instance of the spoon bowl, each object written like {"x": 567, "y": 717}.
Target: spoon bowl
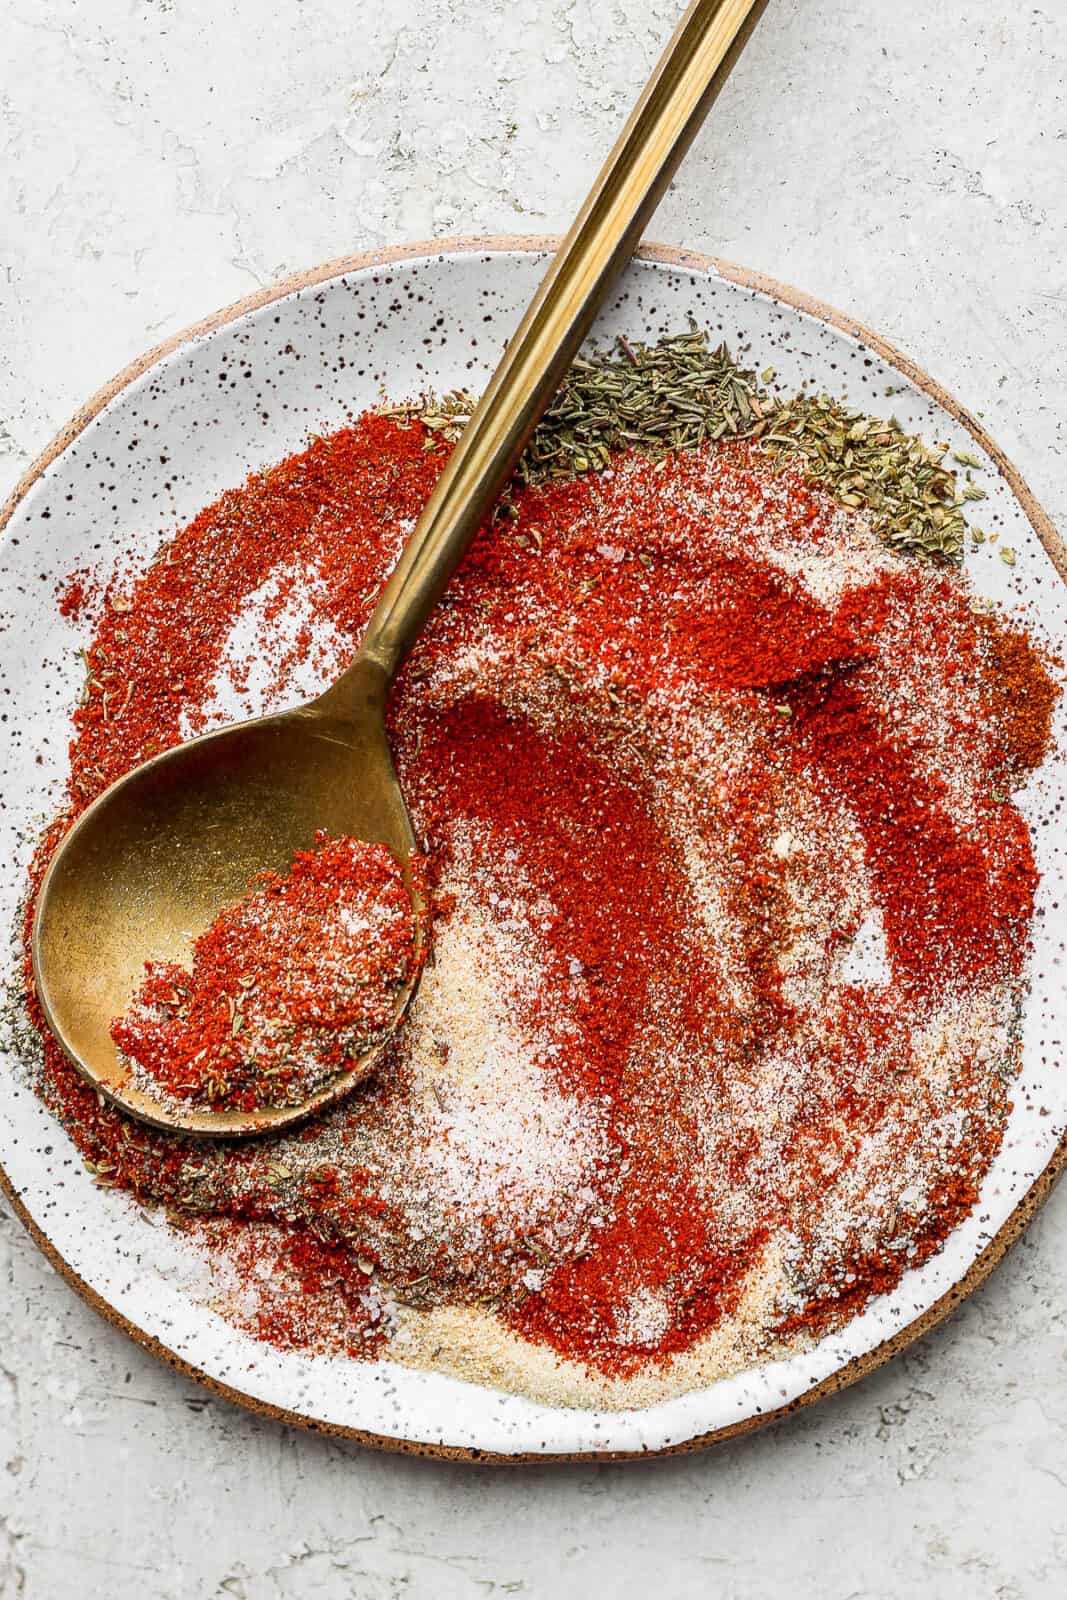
{"x": 156, "y": 857}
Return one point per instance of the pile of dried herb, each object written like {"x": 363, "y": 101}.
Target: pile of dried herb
{"x": 674, "y": 395}
{"x": 868, "y": 464}
{"x": 678, "y": 394}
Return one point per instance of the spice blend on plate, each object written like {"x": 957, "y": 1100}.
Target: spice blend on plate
{"x": 731, "y": 910}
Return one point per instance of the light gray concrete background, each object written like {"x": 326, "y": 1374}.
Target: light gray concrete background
{"x": 905, "y": 161}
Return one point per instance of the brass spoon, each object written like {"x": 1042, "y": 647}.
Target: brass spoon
{"x": 158, "y": 855}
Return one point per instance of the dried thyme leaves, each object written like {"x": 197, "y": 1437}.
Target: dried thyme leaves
{"x": 679, "y": 394}
{"x": 674, "y": 395}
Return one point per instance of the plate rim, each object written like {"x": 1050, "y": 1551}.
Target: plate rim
{"x": 757, "y": 283}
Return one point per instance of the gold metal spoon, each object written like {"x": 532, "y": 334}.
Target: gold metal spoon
{"x": 151, "y": 862}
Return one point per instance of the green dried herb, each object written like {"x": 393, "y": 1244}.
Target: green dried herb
{"x": 875, "y": 466}
{"x": 674, "y": 395}
{"x": 679, "y": 394}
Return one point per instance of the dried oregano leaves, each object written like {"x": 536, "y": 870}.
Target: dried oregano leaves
{"x": 902, "y": 482}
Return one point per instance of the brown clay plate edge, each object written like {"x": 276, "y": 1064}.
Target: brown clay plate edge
{"x": 758, "y": 283}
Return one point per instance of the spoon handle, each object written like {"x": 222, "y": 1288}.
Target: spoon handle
{"x": 605, "y": 233}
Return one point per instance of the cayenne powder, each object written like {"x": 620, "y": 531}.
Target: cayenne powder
{"x": 731, "y": 911}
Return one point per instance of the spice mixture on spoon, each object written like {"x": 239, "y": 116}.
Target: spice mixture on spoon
{"x": 285, "y": 989}
{"x": 711, "y": 751}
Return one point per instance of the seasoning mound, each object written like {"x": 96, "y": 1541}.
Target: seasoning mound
{"x": 731, "y": 900}
{"x": 287, "y": 988}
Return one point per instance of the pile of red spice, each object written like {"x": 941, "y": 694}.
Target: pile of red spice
{"x": 731, "y": 910}
{"x": 287, "y": 988}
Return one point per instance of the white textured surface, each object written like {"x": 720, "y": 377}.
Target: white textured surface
{"x": 161, "y": 158}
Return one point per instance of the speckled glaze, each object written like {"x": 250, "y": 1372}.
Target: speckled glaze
{"x": 243, "y": 389}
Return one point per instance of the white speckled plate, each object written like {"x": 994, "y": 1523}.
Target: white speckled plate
{"x": 242, "y": 390}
